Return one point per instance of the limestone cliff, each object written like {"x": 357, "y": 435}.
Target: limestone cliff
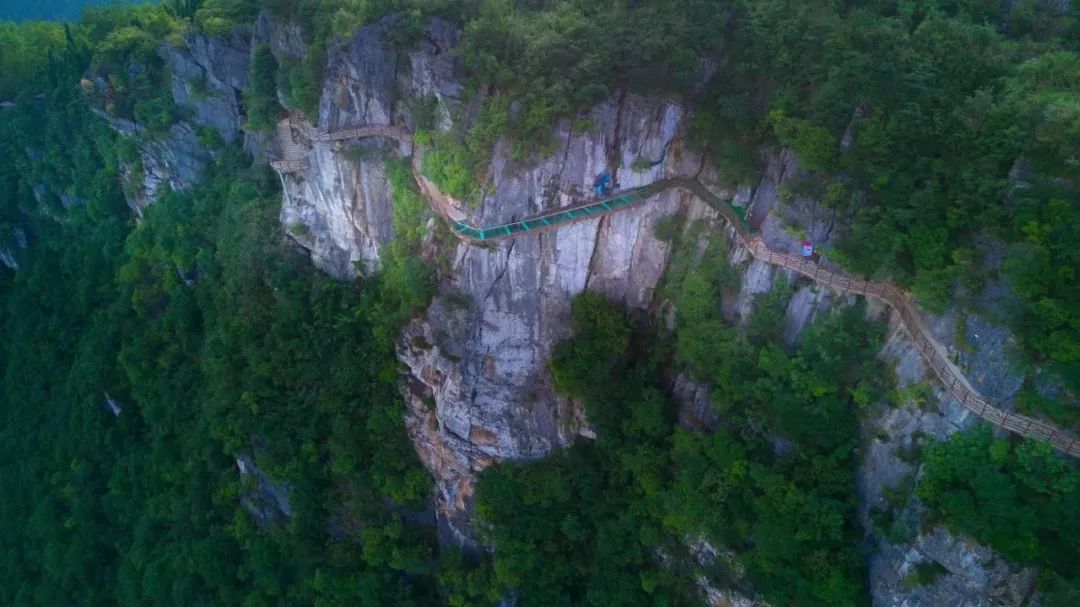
{"x": 207, "y": 77}
{"x": 971, "y": 574}
{"x": 477, "y": 385}
{"x": 339, "y": 209}
{"x": 480, "y": 354}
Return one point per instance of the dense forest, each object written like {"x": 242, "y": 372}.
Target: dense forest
{"x": 165, "y": 380}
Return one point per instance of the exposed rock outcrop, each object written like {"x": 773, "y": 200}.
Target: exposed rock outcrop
{"x": 479, "y": 388}
{"x": 207, "y": 78}
{"x": 340, "y": 209}
{"x": 477, "y": 384}
{"x": 266, "y": 500}
{"x": 10, "y": 244}
{"x": 176, "y": 161}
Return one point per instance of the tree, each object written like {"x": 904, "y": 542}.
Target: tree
{"x": 262, "y": 103}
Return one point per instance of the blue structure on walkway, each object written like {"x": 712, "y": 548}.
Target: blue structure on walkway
{"x": 602, "y": 184}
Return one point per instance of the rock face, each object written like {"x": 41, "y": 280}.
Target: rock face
{"x": 963, "y": 574}
{"x": 266, "y": 500}
{"x": 340, "y": 208}
{"x": 177, "y": 161}
{"x": 911, "y": 566}
{"x": 479, "y": 389}
{"x": 10, "y": 245}
{"x": 477, "y": 384}
{"x": 208, "y": 76}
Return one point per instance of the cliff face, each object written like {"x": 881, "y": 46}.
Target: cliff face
{"x": 480, "y": 355}
{"x": 477, "y": 385}
{"x": 970, "y": 574}
{"x": 207, "y": 78}
{"x": 340, "y": 209}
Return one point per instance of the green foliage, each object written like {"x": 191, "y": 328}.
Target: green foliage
{"x": 216, "y": 339}
{"x": 1043, "y": 268}
{"x": 580, "y": 366}
{"x": 667, "y": 229}
{"x": 938, "y": 103}
{"x": 1017, "y": 497}
{"x": 578, "y": 528}
{"x": 25, "y": 60}
{"x": 406, "y": 283}
{"x": 156, "y": 113}
{"x": 456, "y": 161}
{"x": 451, "y": 166}
{"x": 555, "y": 59}
{"x": 183, "y": 9}
{"x": 302, "y": 81}
{"x": 261, "y": 97}
{"x": 816, "y": 147}
{"x": 220, "y": 17}
{"x": 924, "y": 574}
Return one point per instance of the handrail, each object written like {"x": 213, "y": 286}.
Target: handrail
{"x": 931, "y": 351}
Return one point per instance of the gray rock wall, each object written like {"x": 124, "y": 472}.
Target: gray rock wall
{"x": 479, "y": 388}
{"x": 340, "y": 209}
{"x": 207, "y": 78}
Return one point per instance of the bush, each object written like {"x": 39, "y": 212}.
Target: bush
{"x": 667, "y": 229}
{"x": 580, "y": 366}
{"x": 1018, "y": 497}
{"x": 924, "y": 574}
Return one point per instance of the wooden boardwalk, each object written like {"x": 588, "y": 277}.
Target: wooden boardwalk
{"x": 294, "y": 136}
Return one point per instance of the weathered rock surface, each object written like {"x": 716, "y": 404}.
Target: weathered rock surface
{"x": 266, "y": 500}
{"x": 477, "y": 385}
{"x": 10, "y": 245}
{"x": 177, "y": 161}
{"x": 208, "y": 76}
{"x": 286, "y": 40}
{"x": 968, "y": 575}
{"x": 479, "y": 388}
{"x": 340, "y": 208}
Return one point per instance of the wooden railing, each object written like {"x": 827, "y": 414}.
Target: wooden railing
{"x": 295, "y": 152}
{"x": 372, "y": 130}
{"x": 930, "y": 350}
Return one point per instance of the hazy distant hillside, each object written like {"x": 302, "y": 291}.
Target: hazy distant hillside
{"x": 22, "y": 10}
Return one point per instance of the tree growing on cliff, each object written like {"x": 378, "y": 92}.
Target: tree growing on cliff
{"x": 262, "y": 103}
